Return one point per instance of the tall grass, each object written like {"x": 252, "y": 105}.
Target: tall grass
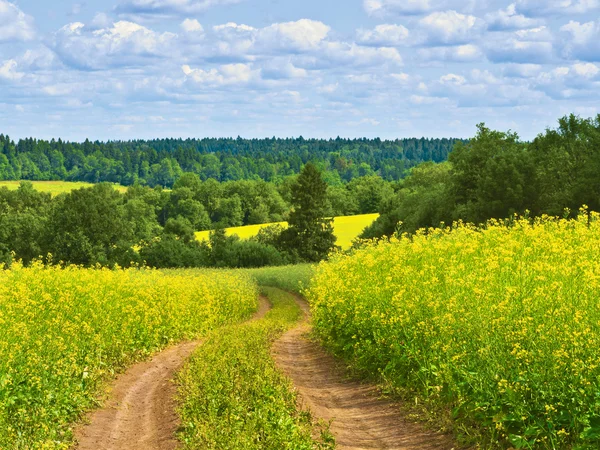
{"x": 290, "y": 278}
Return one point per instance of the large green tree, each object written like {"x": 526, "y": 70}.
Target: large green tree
{"x": 310, "y": 233}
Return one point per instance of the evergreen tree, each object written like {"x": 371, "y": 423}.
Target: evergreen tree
{"x": 310, "y": 233}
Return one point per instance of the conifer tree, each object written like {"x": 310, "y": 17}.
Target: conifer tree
{"x": 310, "y": 233}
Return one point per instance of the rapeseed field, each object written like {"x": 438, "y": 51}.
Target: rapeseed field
{"x": 345, "y": 228}
{"x": 497, "y": 326}
{"x": 65, "y": 332}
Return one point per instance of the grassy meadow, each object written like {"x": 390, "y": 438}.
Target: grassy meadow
{"x": 65, "y": 332}
{"x": 55, "y": 187}
{"x": 497, "y": 327}
{"x": 346, "y": 229}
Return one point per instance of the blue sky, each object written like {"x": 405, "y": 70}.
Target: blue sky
{"x": 122, "y": 69}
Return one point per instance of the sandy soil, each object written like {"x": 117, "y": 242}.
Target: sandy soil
{"x": 140, "y": 411}
{"x": 360, "y": 419}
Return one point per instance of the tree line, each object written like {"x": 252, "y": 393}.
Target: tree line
{"x": 161, "y": 162}
{"x": 496, "y": 175}
{"x": 99, "y": 226}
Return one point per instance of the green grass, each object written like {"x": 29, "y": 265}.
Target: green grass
{"x": 232, "y": 396}
{"x": 54, "y": 187}
{"x": 289, "y": 278}
{"x": 346, "y": 228}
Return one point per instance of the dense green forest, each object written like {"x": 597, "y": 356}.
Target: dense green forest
{"x": 161, "y": 162}
{"x": 496, "y": 175}
{"x": 101, "y": 226}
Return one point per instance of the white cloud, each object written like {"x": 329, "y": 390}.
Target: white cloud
{"x": 8, "y": 71}
{"x": 581, "y": 80}
{"x": 123, "y": 44}
{"x": 384, "y": 35}
{"x": 450, "y": 28}
{"x": 401, "y": 7}
{"x": 328, "y": 88}
{"x": 534, "y": 34}
{"x": 452, "y": 79}
{"x": 516, "y": 51}
{"x": 357, "y": 55}
{"x": 583, "y": 42}
{"x": 402, "y": 78}
{"x": 534, "y": 8}
{"x": 460, "y": 53}
{"x": 15, "y": 25}
{"x": 168, "y": 7}
{"x": 301, "y": 35}
{"x": 528, "y": 46}
{"x": 276, "y": 70}
{"x": 509, "y": 19}
{"x": 521, "y": 70}
{"x": 192, "y": 26}
{"x": 228, "y": 74}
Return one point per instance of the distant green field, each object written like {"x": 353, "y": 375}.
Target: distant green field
{"x": 346, "y": 229}
{"x": 55, "y": 187}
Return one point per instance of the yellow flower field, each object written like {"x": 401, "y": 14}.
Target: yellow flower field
{"x": 64, "y": 332}
{"x": 55, "y": 187}
{"x": 346, "y": 229}
{"x": 498, "y": 326}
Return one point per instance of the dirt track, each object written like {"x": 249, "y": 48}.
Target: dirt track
{"x": 140, "y": 411}
{"x": 360, "y": 419}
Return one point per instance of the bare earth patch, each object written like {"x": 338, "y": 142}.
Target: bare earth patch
{"x": 140, "y": 411}
{"x": 360, "y": 419}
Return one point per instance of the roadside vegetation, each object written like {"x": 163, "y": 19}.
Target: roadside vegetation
{"x": 232, "y": 395}
{"x": 294, "y": 278}
{"x": 65, "y": 332}
{"x": 496, "y": 326}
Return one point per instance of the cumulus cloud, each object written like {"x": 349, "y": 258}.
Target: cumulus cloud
{"x": 583, "y": 40}
{"x": 192, "y": 26}
{"x": 278, "y": 70}
{"x": 508, "y": 19}
{"x": 168, "y": 7}
{"x": 384, "y": 36}
{"x": 301, "y": 35}
{"x": 516, "y": 51}
{"x": 401, "y": 7}
{"x": 228, "y": 74}
{"x": 521, "y": 70}
{"x": 123, "y": 44}
{"x": 450, "y": 28}
{"x": 460, "y": 53}
{"x": 535, "y": 8}
{"x": 15, "y": 25}
{"x": 529, "y": 46}
{"x": 342, "y": 53}
{"x": 8, "y": 71}
{"x": 580, "y": 80}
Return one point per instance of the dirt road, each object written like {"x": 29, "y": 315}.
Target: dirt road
{"x": 360, "y": 419}
{"x": 140, "y": 411}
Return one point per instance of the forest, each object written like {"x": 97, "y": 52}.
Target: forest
{"x": 161, "y": 162}
{"x": 496, "y": 175}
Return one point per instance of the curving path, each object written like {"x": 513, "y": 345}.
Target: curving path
{"x": 359, "y": 418}
{"x": 140, "y": 412}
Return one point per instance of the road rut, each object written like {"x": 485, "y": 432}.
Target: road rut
{"x": 360, "y": 419}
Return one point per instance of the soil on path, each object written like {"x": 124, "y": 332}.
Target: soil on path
{"x": 140, "y": 411}
{"x": 360, "y": 419}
